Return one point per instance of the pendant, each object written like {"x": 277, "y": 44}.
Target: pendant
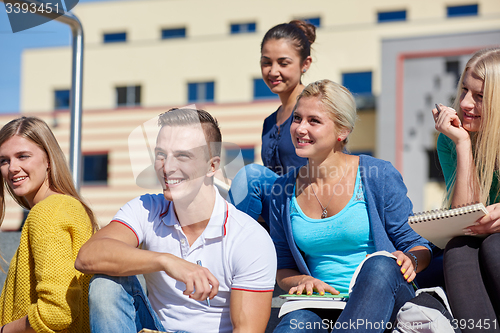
{"x": 324, "y": 215}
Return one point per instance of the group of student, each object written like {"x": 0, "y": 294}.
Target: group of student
{"x": 208, "y": 265}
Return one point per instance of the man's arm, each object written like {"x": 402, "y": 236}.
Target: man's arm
{"x": 250, "y": 310}
{"x": 113, "y": 251}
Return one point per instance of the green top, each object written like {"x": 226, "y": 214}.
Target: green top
{"x": 448, "y": 159}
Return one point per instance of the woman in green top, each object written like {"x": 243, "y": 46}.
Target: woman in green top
{"x": 469, "y": 154}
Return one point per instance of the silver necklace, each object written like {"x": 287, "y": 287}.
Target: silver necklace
{"x": 325, "y": 211}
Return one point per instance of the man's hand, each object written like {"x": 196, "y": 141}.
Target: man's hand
{"x": 200, "y": 282}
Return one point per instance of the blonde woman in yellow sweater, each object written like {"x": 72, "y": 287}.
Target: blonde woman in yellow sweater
{"x": 43, "y": 292}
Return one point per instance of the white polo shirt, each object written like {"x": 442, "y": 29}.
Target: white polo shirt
{"x": 234, "y": 247}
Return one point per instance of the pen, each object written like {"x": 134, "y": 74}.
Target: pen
{"x": 198, "y": 262}
{"x": 439, "y": 111}
{"x": 437, "y": 108}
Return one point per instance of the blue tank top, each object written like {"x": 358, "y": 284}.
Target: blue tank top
{"x": 333, "y": 247}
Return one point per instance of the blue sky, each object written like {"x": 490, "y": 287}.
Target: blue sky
{"x": 11, "y": 46}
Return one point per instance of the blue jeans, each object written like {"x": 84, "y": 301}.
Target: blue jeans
{"x": 251, "y": 190}
{"x": 118, "y": 304}
{"x": 380, "y": 291}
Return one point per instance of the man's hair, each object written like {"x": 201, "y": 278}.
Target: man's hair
{"x": 185, "y": 117}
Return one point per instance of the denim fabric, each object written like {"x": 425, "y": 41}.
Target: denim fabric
{"x": 380, "y": 291}
{"x": 251, "y": 190}
{"x": 118, "y": 304}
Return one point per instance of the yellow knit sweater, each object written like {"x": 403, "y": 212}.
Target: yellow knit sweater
{"x": 42, "y": 281}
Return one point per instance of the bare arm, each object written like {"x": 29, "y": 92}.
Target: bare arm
{"x": 466, "y": 189}
{"x": 407, "y": 262}
{"x": 113, "y": 251}
{"x": 22, "y": 325}
{"x": 295, "y": 282}
{"x": 250, "y": 310}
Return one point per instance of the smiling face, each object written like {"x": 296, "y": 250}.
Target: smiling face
{"x": 182, "y": 163}
{"x": 281, "y": 65}
{"x": 313, "y": 131}
{"x": 471, "y": 101}
{"x": 24, "y": 166}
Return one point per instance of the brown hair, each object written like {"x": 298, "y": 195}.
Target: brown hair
{"x": 300, "y": 33}
{"x": 183, "y": 117}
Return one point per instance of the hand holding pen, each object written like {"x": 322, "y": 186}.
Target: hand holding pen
{"x": 198, "y": 262}
{"x": 448, "y": 123}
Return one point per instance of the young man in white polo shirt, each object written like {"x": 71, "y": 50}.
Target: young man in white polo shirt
{"x": 208, "y": 267}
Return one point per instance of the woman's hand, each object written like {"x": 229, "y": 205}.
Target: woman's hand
{"x": 310, "y": 284}
{"x": 407, "y": 266}
{"x": 448, "y": 123}
{"x": 488, "y": 224}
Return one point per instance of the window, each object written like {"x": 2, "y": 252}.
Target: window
{"x": 241, "y": 28}
{"x": 453, "y": 67}
{"x": 247, "y": 153}
{"x": 391, "y": 16}
{"x": 115, "y": 37}
{"x": 61, "y": 99}
{"x": 434, "y": 167}
{"x": 95, "y": 169}
{"x": 261, "y": 90}
{"x": 316, "y": 21}
{"x": 466, "y": 10}
{"x": 128, "y": 96}
{"x": 358, "y": 82}
{"x": 201, "y": 92}
{"x": 173, "y": 33}
{"x": 360, "y": 85}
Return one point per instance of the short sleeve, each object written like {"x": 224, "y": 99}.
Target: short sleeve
{"x": 254, "y": 260}
{"x": 140, "y": 213}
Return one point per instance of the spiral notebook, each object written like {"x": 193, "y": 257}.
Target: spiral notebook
{"x": 439, "y": 226}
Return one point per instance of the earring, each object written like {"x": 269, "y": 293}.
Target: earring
{"x": 304, "y": 70}
{"x": 339, "y": 139}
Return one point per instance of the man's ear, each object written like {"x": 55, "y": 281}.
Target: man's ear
{"x": 214, "y": 164}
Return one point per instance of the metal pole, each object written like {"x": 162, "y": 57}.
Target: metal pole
{"x": 75, "y": 150}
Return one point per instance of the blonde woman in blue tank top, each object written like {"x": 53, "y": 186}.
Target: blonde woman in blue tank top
{"x": 328, "y": 215}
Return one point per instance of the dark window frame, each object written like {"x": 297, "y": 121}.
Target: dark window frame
{"x": 114, "y": 37}
{"x": 128, "y": 96}
{"x": 261, "y": 90}
{"x": 462, "y": 10}
{"x": 173, "y": 33}
{"x": 391, "y": 16}
{"x": 205, "y": 88}
{"x": 60, "y": 101}
{"x": 102, "y": 178}
{"x": 248, "y": 28}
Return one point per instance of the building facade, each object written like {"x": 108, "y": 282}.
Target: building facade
{"x": 143, "y": 57}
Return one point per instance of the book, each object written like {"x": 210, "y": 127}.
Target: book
{"x": 439, "y": 226}
{"x": 314, "y": 301}
{"x": 327, "y": 301}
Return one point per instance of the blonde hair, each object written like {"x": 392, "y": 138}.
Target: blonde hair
{"x": 485, "y": 64}
{"x": 60, "y": 180}
{"x": 337, "y": 101}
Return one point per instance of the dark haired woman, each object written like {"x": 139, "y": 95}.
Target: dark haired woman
{"x": 285, "y": 57}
